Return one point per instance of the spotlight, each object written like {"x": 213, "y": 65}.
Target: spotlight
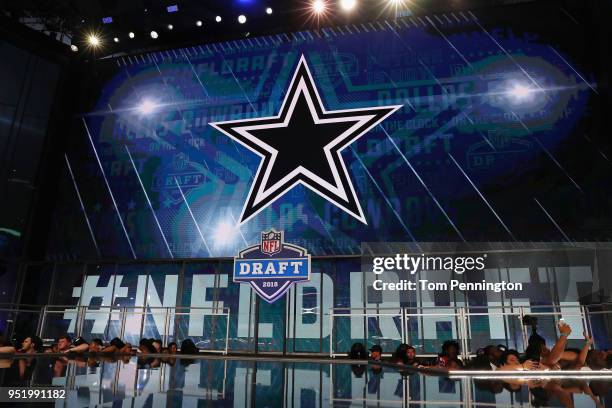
{"x": 146, "y": 106}
{"x": 318, "y": 6}
{"x": 131, "y": 34}
{"x": 74, "y": 48}
{"x": 116, "y": 39}
{"x": 218, "y": 19}
{"x": 398, "y": 7}
{"x": 348, "y": 5}
{"x": 170, "y": 26}
{"x": 93, "y": 40}
{"x": 520, "y": 93}
{"x": 154, "y": 34}
{"x": 199, "y": 23}
{"x": 242, "y": 19}
{"x": 269, "y": 10}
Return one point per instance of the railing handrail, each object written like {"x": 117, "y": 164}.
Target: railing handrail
{"x": 20, "y": 310}
{"x": 531, "y": 307}
{"x": 590, "y": 305}
{"x": 106, "y": 308}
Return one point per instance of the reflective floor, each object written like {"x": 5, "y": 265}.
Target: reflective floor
{"x": 154, "y": 382}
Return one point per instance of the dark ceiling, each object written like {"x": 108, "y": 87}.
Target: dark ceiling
{"x": 70, "y": 21}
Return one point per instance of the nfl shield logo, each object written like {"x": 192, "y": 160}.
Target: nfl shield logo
{"x": 271, "y": 242}
{"x": 272, "y": 266}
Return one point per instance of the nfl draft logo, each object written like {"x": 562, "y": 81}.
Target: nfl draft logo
{"x": 272, "y": 266}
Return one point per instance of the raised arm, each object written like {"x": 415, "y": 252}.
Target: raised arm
{"x": 581, "y": 359}
{"x": 559, "y": 347}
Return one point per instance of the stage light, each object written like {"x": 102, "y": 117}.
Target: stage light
{"x": 218, "y": 19}
{"x": 520, "y": 93}
{"x": 146, "y": 106}
{"x": 269, "y": 10}
{"x": 172, "y": 9}
{"x": 131, "y": 34}
{"x": 199, "y": 23}
{"x": 317, "y": 11}
{"x": 242, "y": 19}
{"x": 154, "y": 34}
{"x": 318, "y": 6}
{"x": 93, "y": 40}
{"x": 170, "y": 26}
{"x": 107, "y": 20}
{"x": 116, "y": 39}
{"x": 348, "y": 5}
{"x": 398, "y": 7}
{"x": 74, "y": 48}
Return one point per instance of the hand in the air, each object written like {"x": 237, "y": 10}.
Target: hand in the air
{"x": 564, "y": 329}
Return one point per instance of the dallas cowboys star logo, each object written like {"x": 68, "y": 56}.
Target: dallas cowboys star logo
{"x": 303, "y": 145}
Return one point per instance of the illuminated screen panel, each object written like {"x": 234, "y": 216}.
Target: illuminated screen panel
{"x": 487, "y": 144}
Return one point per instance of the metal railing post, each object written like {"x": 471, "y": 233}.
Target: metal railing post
{"x": 81, "y": 311}
{"x": 41, "y": 321}
{"x": 403, "y": 325}
{"x": 468, "y": 329}
{"x": 585, "y": 323}
{"x": 122, "y": 319}
{"x": 331, "y": 332}
{"x": 523, "y": 329}
{"x": 227, "y": 331}
{"x": 166, "y": 328}
{"x": 464, "y": 333}
{"x": 77, "y": 319}
{"x": 162, "y": 377}
{"x": 143, "y": 320}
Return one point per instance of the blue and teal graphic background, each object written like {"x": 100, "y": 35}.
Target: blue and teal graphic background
{"x": 466, "y": 158}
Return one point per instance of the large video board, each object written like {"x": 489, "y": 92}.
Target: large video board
{"x": 488, "y": 142}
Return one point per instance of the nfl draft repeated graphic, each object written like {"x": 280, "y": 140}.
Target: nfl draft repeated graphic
{"x": 303, "y": 145}
{"x": 272, "y": 266}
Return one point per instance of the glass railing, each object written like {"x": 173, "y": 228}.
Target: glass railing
{"x": 213, "y": 329}
{"x": 426, "y": 328}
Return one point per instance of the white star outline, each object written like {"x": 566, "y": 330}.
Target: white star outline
{"x": 281, "y": 187}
